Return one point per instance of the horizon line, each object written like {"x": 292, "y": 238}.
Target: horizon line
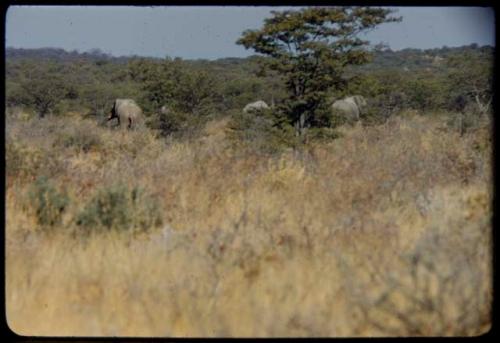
{"x": 111, "y": 55}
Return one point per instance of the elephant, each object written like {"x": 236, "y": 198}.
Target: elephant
{"x": 255, "y": 106}
{"x": 351, "y": 107}
{"x": 164, "y": 109}
{"x": 126, "y": 110}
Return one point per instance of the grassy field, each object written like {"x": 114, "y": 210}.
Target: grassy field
{"x": 383, "y": 232}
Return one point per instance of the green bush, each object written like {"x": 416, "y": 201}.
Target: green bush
{"x": 176, "y": 123}
{"x": 47, "y": 202}
{"x": 120, "y": 208}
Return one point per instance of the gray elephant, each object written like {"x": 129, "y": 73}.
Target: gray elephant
{"x": 164, "y": 109}
{"x": 126, "y": 111}
{"x": 351, "y": 107}
{"x": 255, "y": 106}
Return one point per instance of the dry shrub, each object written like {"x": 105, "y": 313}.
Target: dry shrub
{"x": 26, "y": 162}
{"x": 439, "y": 284}
{"x": 81, "y": 137}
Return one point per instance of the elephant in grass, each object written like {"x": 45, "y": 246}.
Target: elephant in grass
{"x": 350, "y": 107}
{"x": 126, "y": 111}
{"x": 255, "y": 106}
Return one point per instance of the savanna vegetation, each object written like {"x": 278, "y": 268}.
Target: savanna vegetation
{"x": 208, "y": 221}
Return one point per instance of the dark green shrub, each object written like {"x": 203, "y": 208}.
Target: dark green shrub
{"x": 47, "y": 202}
{"x": 176, "y": 123}
{"x": 109, "y": 208}
{"x": 426, "y": 93}
{"x": 120, "y": 208}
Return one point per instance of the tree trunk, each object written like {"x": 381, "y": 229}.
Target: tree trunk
{"x": 300, "y": 125}
{"x": 483, "y": 108}
{"x": 302, "y": 121}
{"x": 461, "y": 123}
{"x": 43, "y": 111}
{"x": 43, "y": 107}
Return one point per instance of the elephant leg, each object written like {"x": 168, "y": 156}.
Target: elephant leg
{"x": 129, "y": 123}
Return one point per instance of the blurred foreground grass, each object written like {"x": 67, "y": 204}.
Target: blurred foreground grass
{"x": 383, "y": 232}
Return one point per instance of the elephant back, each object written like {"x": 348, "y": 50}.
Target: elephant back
{"x": 127, "y": 108}
{"x": 128, "y": 111}
{"x": 257, "y": 105}
{"x": 346, "y": 108}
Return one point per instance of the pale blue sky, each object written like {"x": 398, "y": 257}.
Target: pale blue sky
{"x": 211, "y": 32}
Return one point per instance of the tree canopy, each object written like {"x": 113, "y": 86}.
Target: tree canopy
{"x": 311, "y": 49}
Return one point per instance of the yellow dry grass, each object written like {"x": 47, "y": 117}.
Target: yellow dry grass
{"x": 383, "y": 232}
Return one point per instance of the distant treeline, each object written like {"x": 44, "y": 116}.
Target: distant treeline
{"x": 54, "y": 81}
{"x": 383, "y": 57}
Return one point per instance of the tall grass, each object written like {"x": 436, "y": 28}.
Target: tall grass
{"x": 385, "y": 231}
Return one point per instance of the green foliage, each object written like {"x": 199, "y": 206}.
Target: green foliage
{"x": 13, "y": 94}
{"x": 425, "y": 93}
{"x": 311, "y": 48}
{"x": 471, "y": 75}
{"x": 42, "y": 81}
{"x": 425, "y": 81}
{"x": 176, "y": 123}
{"x": 47, "y": 202}
{"x": 157, "y": 81}
{"x": 240, "y": 92}
{"x": 99, "y": 97}
{"x": 176, "y": 84}
{"x": 120, "y": 208}
{"x": 196, "y": 93}
{"x": 42, "y": 88}
{"x": 191, "y": 95}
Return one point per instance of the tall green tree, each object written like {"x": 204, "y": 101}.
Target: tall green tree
{"x": 311, "y": 48}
